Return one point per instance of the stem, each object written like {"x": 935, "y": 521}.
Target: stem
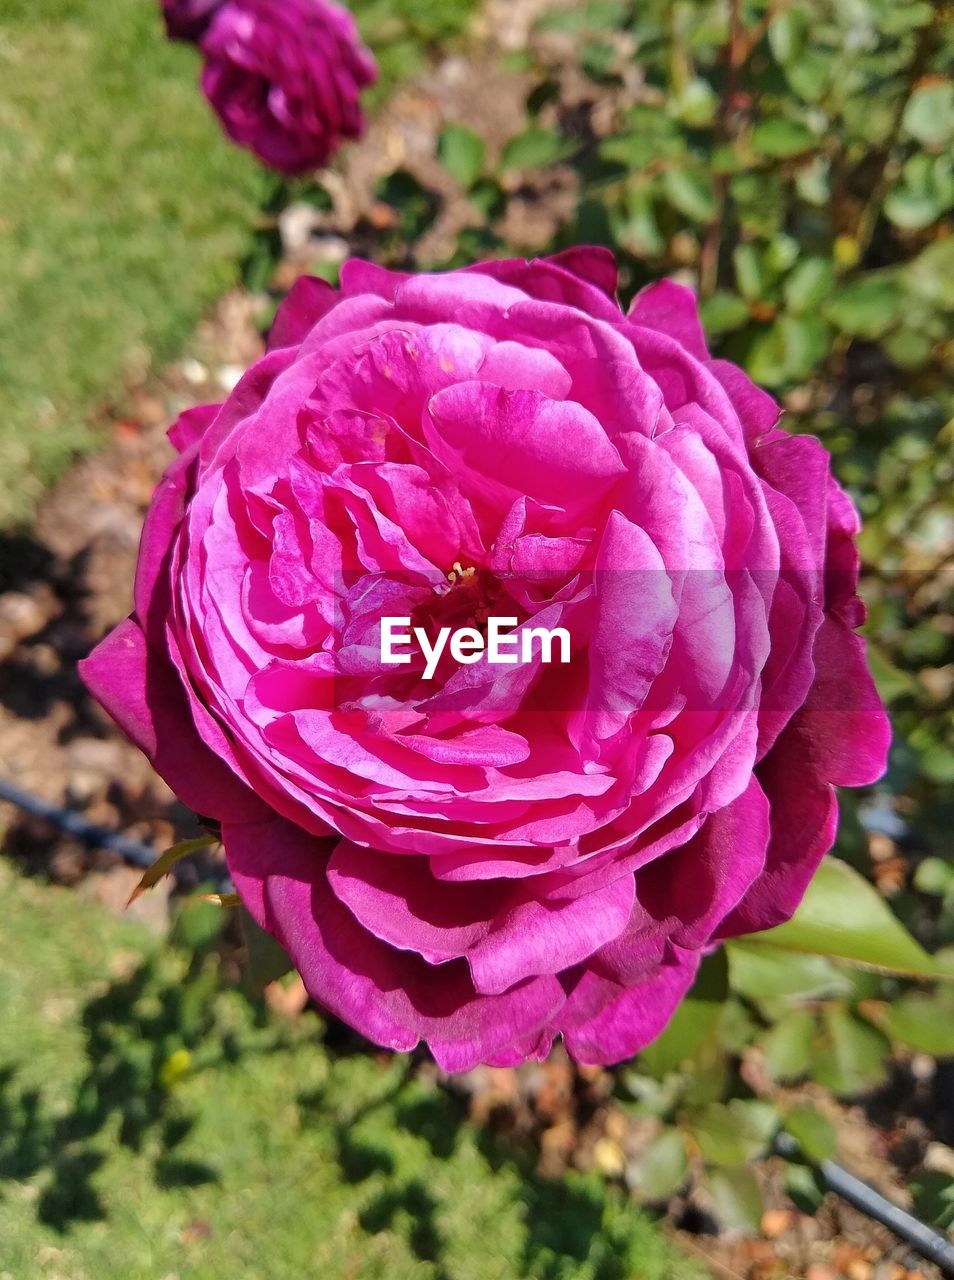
{"x": 680, "y": 68}
{"x": 737, "y": 50}
{"x": 758, "y": 33}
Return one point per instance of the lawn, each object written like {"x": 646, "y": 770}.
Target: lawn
{"x": 123, "y": 213}
{"x": 154, "y": 1122}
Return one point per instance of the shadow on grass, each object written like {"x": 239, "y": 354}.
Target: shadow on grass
{"x": 568, "y": 1231}
{"x": 401, "y": 1165}
{"x": 133, "y": 1033}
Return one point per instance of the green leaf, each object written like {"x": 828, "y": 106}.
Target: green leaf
{"x": 716, "y": 1132}
{"x": 809, "y": 284}
{"x": 330, "y": 271}
{"x": 748, "y": 272}
{"x": 652, "y": 1097}
{"x": 812, "y": 182}
{"x": 694, "y": 1021}
{"x": 691, "y": 192}
{"x": 761, "y": 202}
{"x": 761, "y": 972}
{"x": 813, "y": 1133}
{"x": 166, "y": 861}
{"x": 198, "y": 923}
{"x": 931, "y": 275}
{"x": 781, "y": 254}
{"x": 937, "y": 763}
{"x": 925, "y": 192}
{"x": 811, "y": 75}
{"x": 486, "y": 197}
{"x": 266, "y": 960}
{"x": 649, "y": 135}
{"x": 935, "y": 876}
{"x": 731, "y": 1133}
{"x": 929, "y": 115}
{"x": 780, "y": 138}
{"x": 736, "y": 1198}
{"x": 788, "y": 36}
{"x": 933, "y": 1195}
{"x": 788, "y": 1045}
{"x": 891, "y": 681}
{"x": 805, "y": 343}
{"x": 660, "y": 1170}
{"x": 853, "y": 1059}
{"x": 637, "y": 225}
{"x": 923, "y": 1022}
{"x": 461, "y": 153}
{"x": 580, "y": 18}
{"x": 708, "y": 1073}
{"x": 723, "y": 311}
{"x": 739, "y": 1026}
{"x": 844, "y": 917}
{"x": 535, "y": 148}
{"x": 805, "y": 1187}
{"x": 767, "y": 358}
{"x": 596, "y": 60}
{"x": 911, "y": 210}
{"x": 542, "y": 95}
{"x": 697, "y": 103}
{"x": 899, "y": 19}
{"x": 866, "y": 308}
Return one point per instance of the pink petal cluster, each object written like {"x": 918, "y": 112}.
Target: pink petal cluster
{"x": 284, "y": 76}
{"x": 501, "y": 855}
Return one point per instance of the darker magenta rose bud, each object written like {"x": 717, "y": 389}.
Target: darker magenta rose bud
{"x": 188, "y": 19}
{"x": 285, "y": 78}
{"x": 488, "y": 856}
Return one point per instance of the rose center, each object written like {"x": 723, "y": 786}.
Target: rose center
{"x": 471, "y": 596}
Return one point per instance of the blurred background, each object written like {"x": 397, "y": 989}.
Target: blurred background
{"x": 170, "y": 1106}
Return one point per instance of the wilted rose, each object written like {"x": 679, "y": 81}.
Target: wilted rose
{"x": 501, "y": 854}
{"x": 285, "y": 77}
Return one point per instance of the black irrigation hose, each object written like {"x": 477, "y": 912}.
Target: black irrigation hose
{"x": 74, "y": 824}
{"x": 928, "y": 1242}
{"x": 133, "y": 852}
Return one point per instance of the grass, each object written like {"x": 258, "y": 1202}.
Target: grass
{"x": 123, "y": 213}
{"x": 155, "y": 1123}
{"x": 123, "y": 210}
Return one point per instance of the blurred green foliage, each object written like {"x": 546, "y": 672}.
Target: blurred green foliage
{"x": 402, "y": 33}
{"x": 794, "y": 163}
{"x": 155, "y": 1121}
{"x": 802, "y": 1003}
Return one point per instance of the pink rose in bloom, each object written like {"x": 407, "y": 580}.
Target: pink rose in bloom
{"x": 285, "y": 77}
{"x": 188, "y": 19}
{"x": 501, "y": 854}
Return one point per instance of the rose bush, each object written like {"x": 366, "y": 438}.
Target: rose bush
{"x": 285, "y": 77}
{"x": 502, "y": 854}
